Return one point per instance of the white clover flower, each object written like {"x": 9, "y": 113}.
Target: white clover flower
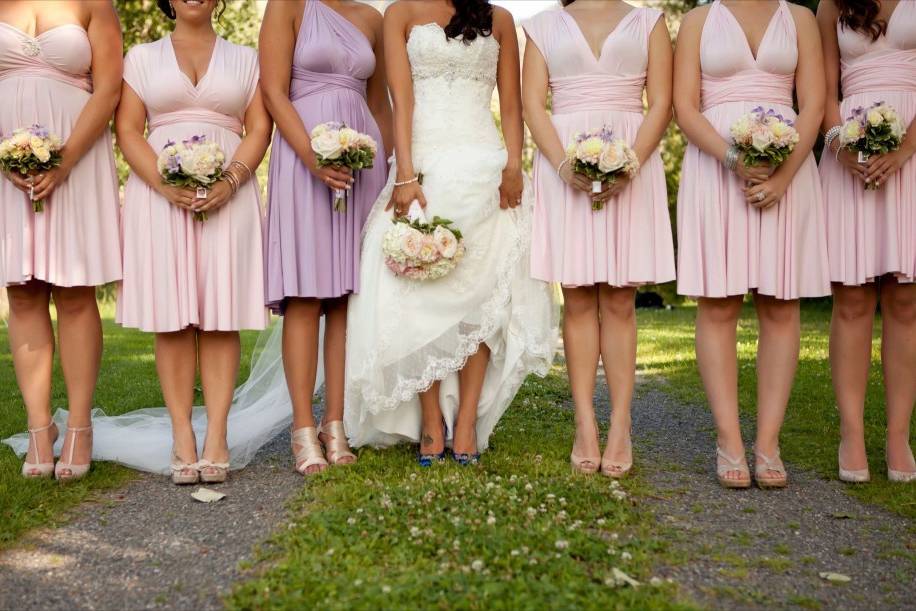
{"x": 562, "y": 544}
{"x": 626, "y": 556}
{"x": 491, "y": 520}
{"x": 386, "y": 589}
{"x": 477, "y": 565}
{"x": 529, "y": 487}
{"x": 655, "y": 581}
{"x": 514, "y": 552}
{"x": 351, "y": 520}
{"x": 600, "y": 521}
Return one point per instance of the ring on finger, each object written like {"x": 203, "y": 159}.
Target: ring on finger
{"x": 761, "y": 196}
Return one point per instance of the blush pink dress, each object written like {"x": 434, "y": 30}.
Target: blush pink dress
{"x": 179, "y": 272}
{"x": 725, "y": 246}
{"x": 75, "y": 241}
{"x": 872, "y": 233}
{"x": 628, "y": 242}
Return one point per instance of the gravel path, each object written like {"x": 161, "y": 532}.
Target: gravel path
{"x": 150, "y": 545}
{"x": 763, "y": 549}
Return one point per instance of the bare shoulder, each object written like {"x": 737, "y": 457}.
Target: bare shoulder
{"x": 286, "y": 8}
{"x": 401, "y": 10}
{"x": 368, "y": 14}
{"x": 802, "y": 15}
{"x": 502, "y": 19}
{"x": 99, "y": 11}
{"x": 695, "y": 19}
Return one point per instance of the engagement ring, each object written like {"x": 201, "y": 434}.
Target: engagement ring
{"x": 761, "y": 196}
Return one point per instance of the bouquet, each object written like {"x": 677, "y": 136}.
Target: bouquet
{"x": 872, "y": 131}
{"x": 602, "y": 158}
{"x": 421, "y": 250}
{"x": 29, "y": 151}
{"x": 337, "y": 145}
{"x": 764, "y": 137}
{"x": 195, "y": 163}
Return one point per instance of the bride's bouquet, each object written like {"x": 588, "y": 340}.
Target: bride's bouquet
{"x": 764, "y": 137}
{"x": 602, "y": 158}
{"x": 30, "y": 151}
{"x": 337, "y": 145}
{"x": 418, "y": 249}
{"x": 193, "y": 163}
{"x": 872, "y": 131}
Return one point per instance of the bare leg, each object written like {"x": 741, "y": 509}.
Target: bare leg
{"x": 618, "y": 352}
{"x": 432, "y": 437}
{"x": 300, "y": 360}
{"x": 219, "y": 355}
{"x": 176, "y": 363}
{"x": 850, "y": 359}
{"x": 31, "y": 338}
{"x": 470, "y": 382}
{"x": 717, "y": 358}
{"x": 581, "y": 333}
{"x": 777, "y": 360}
{"x": 335, "y": 346}
{"x": 80, "y": 335}
{"x": 898, "y": 355}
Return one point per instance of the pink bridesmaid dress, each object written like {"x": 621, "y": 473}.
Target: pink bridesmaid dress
{"x": 75, "y": 241}
{"x": 725, "y": 246}
{"x": 629, "y": 242}
{"x": 179, "y": 272}
{"x": 872, "y": 233}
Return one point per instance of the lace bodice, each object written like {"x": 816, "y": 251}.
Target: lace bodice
{"x": 453, "y": 86}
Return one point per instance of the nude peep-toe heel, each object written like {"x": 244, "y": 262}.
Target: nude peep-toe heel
{"x": 617, "y": 470}
{"x": 67, "y": 471}
{"x": 336, "y": 446}
{"x": 309, "y": 453}
{"x": 39, "y": 470}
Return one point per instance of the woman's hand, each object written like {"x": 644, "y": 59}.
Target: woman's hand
{"x": 755, "y": 174}
{"x": 611, "y": 189}
{"x": 850, "y": 160}
{"x": 881, "y": 167}
{"x": 45, "y": 182}
{"x": 19, "y": 181}
{"x": 180, "y": 197}
{"x": 403, "y": 196}
{"x": 510, "y": 189}
{"x": 767, "y": 193}
{"x": 574, "y": 180}
{"x": 218, "y": 195}
{"x": 335, "y": 177}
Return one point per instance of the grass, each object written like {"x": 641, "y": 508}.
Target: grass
{"x": 811, "y": 433}
{"x": 518, "y": 532}
{"x": 127, "y": 382}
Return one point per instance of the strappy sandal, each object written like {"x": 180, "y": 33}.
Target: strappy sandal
{"x": 67, "y": 471}
{"x": 726, "y": 464}
{"x": 183, "y": 473}
{"x": 39, "y": 470}
{"x": 335, "y": 443}
{"x": 309, "y": 453}
{"x": 764, "y": 464}
{"x": 212, "y": 472}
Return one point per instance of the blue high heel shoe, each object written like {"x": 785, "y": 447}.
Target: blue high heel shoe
{"x": 428, "y": 460}
{"x": 466, "y": 460}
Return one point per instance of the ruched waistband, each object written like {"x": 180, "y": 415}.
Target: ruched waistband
{"x": 196, "y": 115}
{"x": 895, "y": 71}
{"x": 598, "y": 92}
{"x": 755, "y": 86}
{"x": 304, "y": 83}
{"x": 81, "y": 82}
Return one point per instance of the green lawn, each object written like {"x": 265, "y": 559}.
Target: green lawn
{"x": 127, "y": 382}
{"x": 811, "y": 433}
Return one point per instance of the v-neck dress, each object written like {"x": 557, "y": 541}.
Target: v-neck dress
{"x": 75, "y": 241}
{"x": 179, "y": 272}
{"x": 872, "y": 233}
{"x": 629, "y": 242}
{"x": 313, "y": 250}
{"x": 726, "y": 246}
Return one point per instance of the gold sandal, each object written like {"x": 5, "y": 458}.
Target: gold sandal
{"x": 335, "y": 443}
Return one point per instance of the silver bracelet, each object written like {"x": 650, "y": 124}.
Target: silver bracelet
{"x": 407, "y": 182}
{"x": 832, "y": 134}
{"x": 731, "y": 158}
{"x": 562, "y": 163}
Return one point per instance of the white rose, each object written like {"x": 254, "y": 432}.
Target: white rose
{"x": 445, "y": 242}
{"x": 42, "y": 153}
{"x": 327, "y": 145}
{"x": 411, "y": 243}
{"x": 761, "y": 139}
{"x": 875, "y": 117}
{"x": 348, "y": 137}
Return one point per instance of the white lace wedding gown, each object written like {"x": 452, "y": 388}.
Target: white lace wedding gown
{"x": 403, "y": 335}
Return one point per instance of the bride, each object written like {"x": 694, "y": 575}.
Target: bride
{"x": 439, "y": 362}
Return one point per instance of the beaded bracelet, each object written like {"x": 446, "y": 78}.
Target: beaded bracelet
{"x": 407, "y": 182}
{"x": 731, "y": 158}
{"x": 832, "y": 134}
{"x": 562, "y": 163}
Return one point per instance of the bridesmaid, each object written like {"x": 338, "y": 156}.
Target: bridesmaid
{"x": 596, "y": 58}
{"x": 194, "y": 284}
{"x": 744, "y": 229}
{"x": 321, "y": 61}
{"x": 870, "y": 51}
{"x": 60, "y": 67}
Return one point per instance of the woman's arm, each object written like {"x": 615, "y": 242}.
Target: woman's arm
{"x": 535, "y": 83}
{"x": 687, "y": 86}
{"x": 377, "y": 87}
{"x": 508, "y": 83}
{"x": 400, "y": 82}
{"x": 249, "y": 152}
{"x": 130, "y": 123}
{"x": 107, "y": 69}
{"x": 809, "y": 89}
{"x": 277, "y": 43}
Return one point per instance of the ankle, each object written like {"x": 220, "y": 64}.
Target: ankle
{"x": 303, "y": 421}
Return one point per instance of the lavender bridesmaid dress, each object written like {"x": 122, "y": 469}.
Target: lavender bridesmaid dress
{"x": 312, "y": 250}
